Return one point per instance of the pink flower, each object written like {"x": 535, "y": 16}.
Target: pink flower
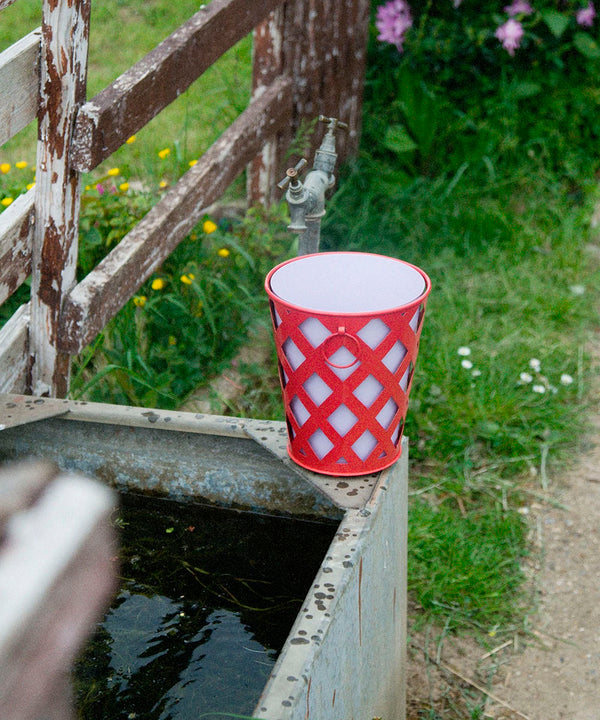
{"x": 510, "y": 35}
{"x": 585, "y": 16}
{"x": 518, "y": 7}
{"x": 393, "y": 20}
{"x": 100, "y": 189}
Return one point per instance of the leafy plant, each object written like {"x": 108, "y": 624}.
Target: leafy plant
{"x": 188, "y": 320}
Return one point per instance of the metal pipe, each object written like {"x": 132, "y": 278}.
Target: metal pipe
{"x": 306, "y": 201}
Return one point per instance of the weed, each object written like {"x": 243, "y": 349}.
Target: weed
{"x": 189, "y": 319}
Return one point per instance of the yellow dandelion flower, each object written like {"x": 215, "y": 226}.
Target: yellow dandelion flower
{"x": 130, "y": 140}
{"x": 113, "y": 172}
{"x": 158, "y": 284}
{"x": 209, "y": 227}
{"x": 30, "y": 186}
{"x": 162, "y": 154}
{"x": 192, "y": 163}
{"x": 223, "y": 252}
{"x": 199, "y": 309}
{"x": 124, "y": 186}
{"x": 4, "y": 168}
{"x": 187, "y": 279}
{"x": 172, "y": 340}
{"x": 6, "y": 201}
{"x": 22, "y": 164}
{"x": 139, "y": 300}
{"x": 163, "y": 184}
{"x": 193, "y": 236}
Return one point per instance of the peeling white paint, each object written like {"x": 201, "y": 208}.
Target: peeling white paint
{"x": 19, "y": 82}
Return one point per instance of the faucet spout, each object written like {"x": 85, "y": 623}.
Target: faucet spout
{"x": 306, "y": 201}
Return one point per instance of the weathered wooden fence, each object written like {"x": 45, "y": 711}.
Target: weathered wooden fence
{"x": 309, "y": 59}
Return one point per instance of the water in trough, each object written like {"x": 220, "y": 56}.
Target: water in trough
{"x": 206, "y": 601}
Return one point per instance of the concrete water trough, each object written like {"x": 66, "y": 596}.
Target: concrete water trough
{"x": 344, "y": 658}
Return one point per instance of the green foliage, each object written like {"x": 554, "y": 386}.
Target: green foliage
{"x": 453, "y": 571}
{"x": 413, "y": 141}
{"x": 14, "y": 181}
{"x": 482, "y": 169}
{"x": 189, "y": 319}
{"x": 109, "y": 210}
{"x": 121, "y": 33}
{"x": 478, "y": 100}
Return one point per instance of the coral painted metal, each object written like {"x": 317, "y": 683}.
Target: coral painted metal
{"x": 345, "y": 380}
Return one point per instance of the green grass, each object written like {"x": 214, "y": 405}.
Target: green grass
{"x": 509, "y": 262}
{"x": 454, "y": 571}
{"x": 120, "y": 35}
{"x": 188, "y": 320}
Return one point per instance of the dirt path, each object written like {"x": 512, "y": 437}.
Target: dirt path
{"x": 557, "y": 677}
{"x": 554, "y": 673}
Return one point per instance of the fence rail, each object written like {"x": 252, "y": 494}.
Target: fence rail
{"x": 308, "y": 59}
{"x": 108, "y": 287}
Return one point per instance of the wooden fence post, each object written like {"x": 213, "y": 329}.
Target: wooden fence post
{"x": 267, "y": 65}
{"x": 63, "y": 75}
{"x": 321, "y": 45}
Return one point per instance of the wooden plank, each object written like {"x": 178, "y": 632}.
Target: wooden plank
{"x": 6, "y": 3}
{"x": 326, "y": 60}
{"x": 14, "y": 352}
{"x": 352, "y": 52}
{"x": 16, "y": 232}
{"x": 57, "y": 574}
{"x": 320, "y": 56}
{"x": 21, "y": 484}
{"x": 65, "y": 33}
{"x": 108, "y": 287}
{"x": 19, "y": 79}
{"x": 265, "y": 169}
{"x": 131, "y": 101}
{"x": 298, "y": 58}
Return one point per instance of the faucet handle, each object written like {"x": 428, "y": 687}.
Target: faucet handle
{"x": 333, "y": 123}
{"x": 291, "y": 174}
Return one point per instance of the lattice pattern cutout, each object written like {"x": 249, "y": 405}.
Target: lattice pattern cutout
{"x": 346, "y": 381}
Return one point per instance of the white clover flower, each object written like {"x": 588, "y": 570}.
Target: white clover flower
{"x": 476, "y": 373}
{"x": 535, "y": 364}
{"x": 577, "y": 290}
{"x": 464, "y": 351}
{"x": 539, "y": 389}
{"x": 467, "y": 364}
{"x": 525, "y": 378}
{"x": 566, "y": 379}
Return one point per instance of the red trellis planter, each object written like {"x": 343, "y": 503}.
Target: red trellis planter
{"x": 347, "y": 328}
